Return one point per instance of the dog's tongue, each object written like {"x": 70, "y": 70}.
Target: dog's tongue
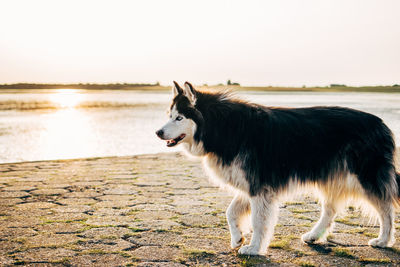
{"x": 171, "y": 142}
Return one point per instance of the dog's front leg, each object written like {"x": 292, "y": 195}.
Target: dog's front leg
{"x": 264, "y": 214}
{"x": 235, "y": 214}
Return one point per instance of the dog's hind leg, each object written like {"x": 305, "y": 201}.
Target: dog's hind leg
{"x": 381, "y": 189}
{"x": 324, "y": 223}
{"x": 235, "y": 214}
{"x": 386, "y": 219}
{"x": 264, "y": 215}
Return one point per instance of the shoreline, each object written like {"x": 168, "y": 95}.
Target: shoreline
{"x": 397, "y": 155}
{"x": 92, "y": 158}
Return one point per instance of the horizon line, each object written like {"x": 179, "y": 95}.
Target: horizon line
{"x": 197, "y": 84}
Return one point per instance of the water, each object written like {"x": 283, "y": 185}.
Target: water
{"x": 63, "y": 124}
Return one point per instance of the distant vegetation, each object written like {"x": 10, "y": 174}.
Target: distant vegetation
{"x": 332, "y": 88}
{"x": 229, "y": 85}
{"x": 88, "y": 86}
{"x": 229, "y": 82}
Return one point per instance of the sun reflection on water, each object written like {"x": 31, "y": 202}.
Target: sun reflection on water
{"x": 66, "y": 98}
{"x": 67, "y": 132}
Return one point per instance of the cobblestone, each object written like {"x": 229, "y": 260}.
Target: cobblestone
{"x": 154, "y": 210}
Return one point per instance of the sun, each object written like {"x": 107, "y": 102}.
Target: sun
{"x": 66, "y": 98}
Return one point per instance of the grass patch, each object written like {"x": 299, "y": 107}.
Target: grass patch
{"x": 346, "y": 221}
{"x": 216, "y": 212}
{"x": 305, "y": 264}
{"x": 198, "y": 253}
{"x": 176, "y": 245}
{"x": 300, "y": 253}
{"x": 180, "y": 260}
{"x": 103, "y": 252}
{"x": 342, "y": 252}
{"x": 302, "y": 217}
{"x": 160, "y": 231}
{"x": 167, "y": 231}
{"x": 63, "y": 221}
{"x": 353, "y": 216}
{"x": 91, "y": 226}
{"x": 372, "y": 235}
{"x": 374, "y": 260}
{"x": 292, "y": 203}
{"x": 301, "y": 210}
{"x": 283, "y": 243}
{"x": 305, "y": 224}
{"x": 357, "y": 230}
{"x": 247, "y": 261}
{"x": 63, "y": 261}
{"x": 329, "y": 237}
{"x": 95, "y": 251}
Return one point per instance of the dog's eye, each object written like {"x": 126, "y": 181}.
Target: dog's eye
{"x": 179, "y": 118}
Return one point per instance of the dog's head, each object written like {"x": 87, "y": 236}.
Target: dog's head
{"x": 184, "y": 118}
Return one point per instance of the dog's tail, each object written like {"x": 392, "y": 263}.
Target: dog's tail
{"x": 397, "y": 201}
{"x": 398, "y": 184}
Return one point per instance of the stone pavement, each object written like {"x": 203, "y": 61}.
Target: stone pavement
{"x": 153, "y": 210}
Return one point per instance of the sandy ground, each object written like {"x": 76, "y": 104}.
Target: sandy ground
{"x": 154, "y": 210}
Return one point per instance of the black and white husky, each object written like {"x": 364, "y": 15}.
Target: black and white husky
{"x": 264, "y": 153}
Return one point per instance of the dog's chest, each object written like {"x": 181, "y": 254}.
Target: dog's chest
{"x": 226, "y": 175}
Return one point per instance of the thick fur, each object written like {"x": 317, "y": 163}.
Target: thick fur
{"x": 264, "y": 153}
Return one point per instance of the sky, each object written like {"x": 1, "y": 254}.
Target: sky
{"x": 278, "y": 43}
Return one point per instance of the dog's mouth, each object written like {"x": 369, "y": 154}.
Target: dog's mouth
{"x": 174, "y": 142}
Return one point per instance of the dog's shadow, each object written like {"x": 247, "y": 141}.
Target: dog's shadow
{"x": 393, "y": 254}
{"x": 321, "y": 248}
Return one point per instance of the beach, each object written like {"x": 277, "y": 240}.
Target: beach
{"x": 154, "y": 210}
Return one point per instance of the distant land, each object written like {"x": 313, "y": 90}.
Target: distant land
{"x": 85, "y": 86}
{"x": 236, "y": 87}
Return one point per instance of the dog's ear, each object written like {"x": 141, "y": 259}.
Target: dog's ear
{"x": 190, "y": 93}
{"x": 176, "y": 89}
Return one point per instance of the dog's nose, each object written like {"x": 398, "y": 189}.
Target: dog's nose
{"x": 160, "y": 133}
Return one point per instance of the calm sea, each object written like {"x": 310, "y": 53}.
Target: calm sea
{"x": 67, "y": 123}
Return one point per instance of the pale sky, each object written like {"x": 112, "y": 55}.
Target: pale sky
{"x": 281, "y": 42}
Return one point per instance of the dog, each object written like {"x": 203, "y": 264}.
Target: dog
{"x": 265, "y": 153}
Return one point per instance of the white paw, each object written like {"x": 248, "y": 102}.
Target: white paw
{"x": 376, "y": 242}
{"x": 236, "y": 241}
{"x": 249, "y": 250}
{"x": 309, "y": 237}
